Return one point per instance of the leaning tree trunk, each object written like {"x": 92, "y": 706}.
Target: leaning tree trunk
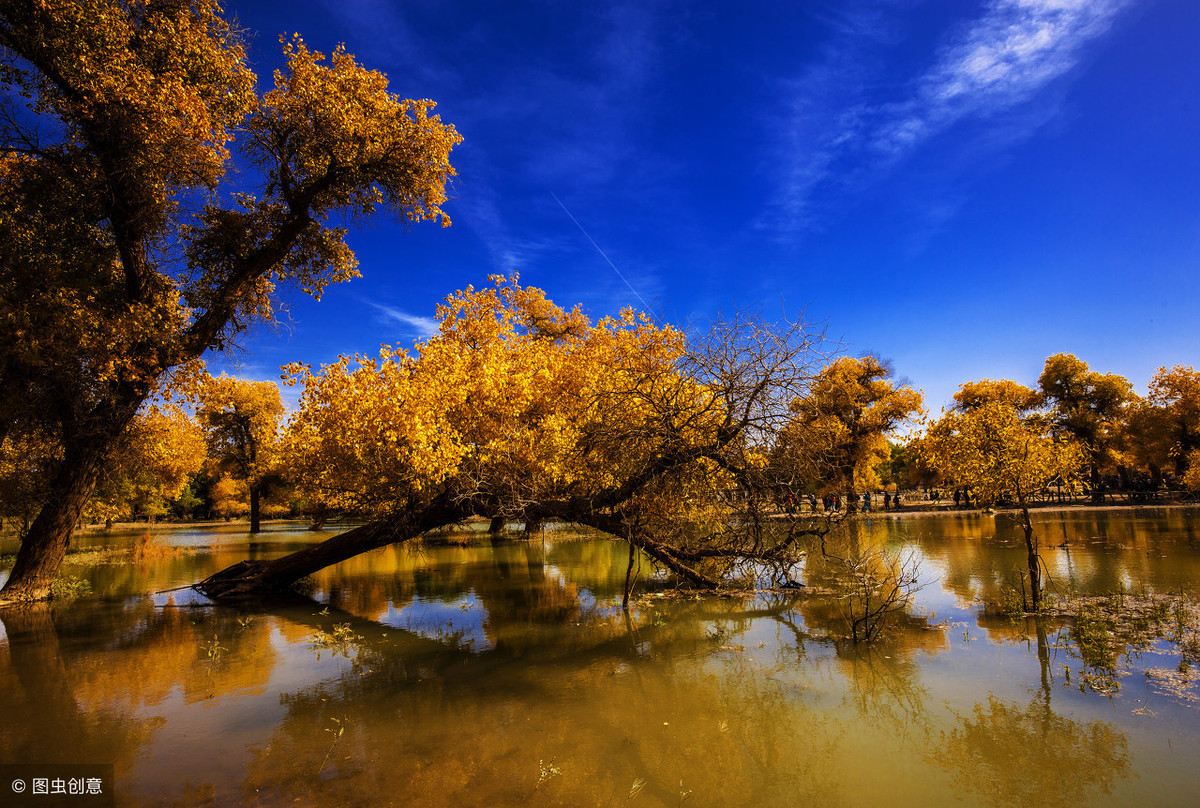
{"x": 45, "y": 545}
{"x": 248, "y": 579}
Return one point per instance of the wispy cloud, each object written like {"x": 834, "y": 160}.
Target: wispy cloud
{"x": 422, "y": 327}
{"x": 986, "y": 68}
{"x": 1002, "y": 60}
{"x": 507, "y": 252}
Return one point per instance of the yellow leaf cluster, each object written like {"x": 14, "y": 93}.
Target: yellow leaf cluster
{"x": 514, "y": 400}
{"x": 240, "y": 420}
{"x": 1000, "y": 455}
{"x": 838, "y": 433}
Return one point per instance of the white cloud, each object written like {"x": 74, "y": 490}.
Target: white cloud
{"x": 840, "y": 135}
{"x": 507, "y": 252}
{"x": 423, "y": 327}
{"x": 1001, "y": 60}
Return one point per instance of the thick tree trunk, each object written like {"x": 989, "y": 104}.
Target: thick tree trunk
{"x": 255, "y": 521}
{"x": 496, "y": 525}
{"x": 248, "y": 579}
{"x": 45, "y": 545}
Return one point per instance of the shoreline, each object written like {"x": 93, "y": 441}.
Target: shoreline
{"x": 916, "y": 510}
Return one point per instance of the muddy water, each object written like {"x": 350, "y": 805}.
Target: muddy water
{"x": 508, "y": 675}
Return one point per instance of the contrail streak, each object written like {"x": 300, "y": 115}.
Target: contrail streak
{"x": 645, "y": 305}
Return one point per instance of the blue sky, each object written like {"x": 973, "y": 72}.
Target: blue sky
{"x": 962, "y": 187}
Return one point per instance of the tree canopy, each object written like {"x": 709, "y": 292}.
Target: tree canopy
{"x": 845, "y": 419}
{"x": 241, "y": 421}
{"x": 1087, "y": 405}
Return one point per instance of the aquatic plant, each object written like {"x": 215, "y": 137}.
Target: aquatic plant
{"x": 70, "y": 587}
{"x": 213, "y": 649}
{"x": 337, "y": 730}
{"x": 546, "y": 771}
{"x": 338, "y": 640}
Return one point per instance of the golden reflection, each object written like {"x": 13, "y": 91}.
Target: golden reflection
{"x": 90, "y": 686}
{"x": 886, "y": 691}
{"x": 1030, "y": 756}
{"x": 45, "y": 719}
{"x": 1086, "y": 551}
{"x": 862, "y": 589}
{"x": 583, "y": 731}
{"x": 542, "y": 691}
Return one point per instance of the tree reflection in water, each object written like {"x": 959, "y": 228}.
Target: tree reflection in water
{"x": 639, "y": 703}
{"x": 701, "y": 700}
{"x": 1030, "y": 756}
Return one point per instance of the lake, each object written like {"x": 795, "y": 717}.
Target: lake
{"x": 462, "y": 672}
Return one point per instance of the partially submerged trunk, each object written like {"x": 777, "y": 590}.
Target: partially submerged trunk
{"x": 496, "y": 525}
{"x": 256, "y": 578}
{"x": 1032, "y": 557}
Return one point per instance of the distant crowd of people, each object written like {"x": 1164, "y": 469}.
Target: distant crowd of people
{"x": 833, "y": 503}
{"x": 867, "y": 501}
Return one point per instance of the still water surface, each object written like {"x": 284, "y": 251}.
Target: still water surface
{"x": 497, "y": 675}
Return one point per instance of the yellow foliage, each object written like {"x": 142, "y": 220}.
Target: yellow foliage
{"x": 107, "y": 280}
{"x": 1000, "y": 455}
{"x": 152, "y": 462}
{"x": 240, "y": 420}
{"x": 838, "y": 433}
{"x": 230, "y": 497}
{"x": 514, "y": 400}
{"x": 974, "y": 394}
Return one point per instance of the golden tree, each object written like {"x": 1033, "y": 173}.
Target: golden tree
{"x": 1191, "y": 478}
{"x": 975, "y": 394}
{"x": 27, "y": 460}
{"x": 1089, "y": 406}
{"x": 241, "y": 422}
{"x": 229, "y": 497}
{"x": 1003, "y": 457}
{"x": 151, "y": 463}
{"x": 122, "y": 255}
{"x": 519, "y": 408}
{"x": 1175, "y": 395}
{"x": 845, "y": 419}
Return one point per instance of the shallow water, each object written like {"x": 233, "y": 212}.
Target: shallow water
{"x": 508, "y": 674}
